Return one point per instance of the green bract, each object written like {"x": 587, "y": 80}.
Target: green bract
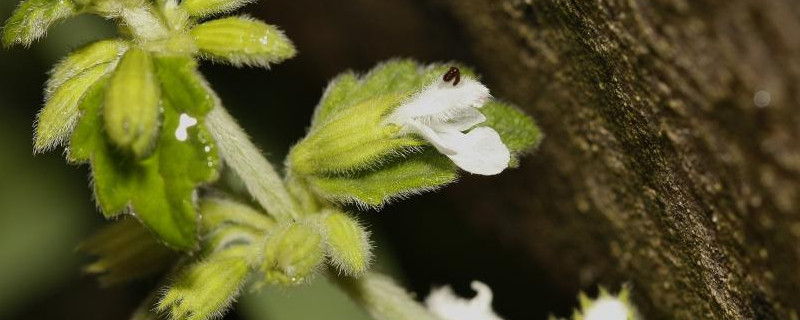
{"x": 348, "y": 246}
{"x": 242, "y": 41}
{"x": 32, "y": 18}
{"x": 292, "y": 254}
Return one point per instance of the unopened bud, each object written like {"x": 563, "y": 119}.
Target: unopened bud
{"x": 291, "y": 254}
{"x": 348, "y": 246}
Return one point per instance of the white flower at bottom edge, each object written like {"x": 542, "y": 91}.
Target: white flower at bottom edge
{"x": 608, "y": 308}
{"x": 443, "y": 303}
{"x": 441, "y": 113}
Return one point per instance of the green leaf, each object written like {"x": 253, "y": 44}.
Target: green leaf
{"x": 242, "y": 41}
{"x": 354, "y": 140}
{"x": 91, "y": 55}
{"x": 517, "y": 130}
{"x": 204, "y": 8}
{"x": 183, "y": 85}
{"x": 69, "y": 82}
{"x": 131, "y": 108}
{"x": 414, "y": 174}
{"x": 159, "y": 189}
{"x": 32, "y": 18}
{"x": 207, "y": 288}
{"x": 125, "y": 251}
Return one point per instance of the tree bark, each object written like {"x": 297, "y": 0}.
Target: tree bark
{"x": 672, "y": 150}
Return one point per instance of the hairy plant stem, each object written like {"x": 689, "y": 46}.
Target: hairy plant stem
{"x": 383, "y": 298}
{"x": 243, "y": 157}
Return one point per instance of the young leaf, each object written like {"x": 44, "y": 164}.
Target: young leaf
{"x": 205, "y": 289}
{"x": 131, "y": 109}
{"x": 205, "y": 8}
{"x": 242, "y": 41}
{"x": 414, "y": 174}
{"x": 125, "y": 251}
{"x": 61, "y": 112}
{"x": 91, "y": 55}
{"x": 354, "y": 140}
{"x": 159, "y": 189}
{"x": 348, "y": 246}
{"x": 183, "y": 85}
{"x": 32, "y": 18}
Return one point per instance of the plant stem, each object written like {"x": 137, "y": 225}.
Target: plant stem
{"x": 383, "y": 298}
{"x": 243, "y": 157}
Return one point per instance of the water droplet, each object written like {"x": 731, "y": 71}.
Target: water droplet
{"x": 263, "y": 40}
{"x": 184, "y": 122}
{"x": 207, "y": 148}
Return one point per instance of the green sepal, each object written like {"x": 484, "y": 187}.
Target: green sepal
{"x": 131, "y": 110}
{"x": 242, "y": 41}
{"x": 125, "y": 251}
{"x": 400, "y": 178}
{"x": 291, "y": 254}
{"x": 69, "y": 81}
{"x": 517, "y": 130}
{"x": 32, "y": 18}
{"x": 207, "y": 288}
{"x": 354, "y": 140}
{"x": 348, "y": 246}
{"x": 205, "y": 8}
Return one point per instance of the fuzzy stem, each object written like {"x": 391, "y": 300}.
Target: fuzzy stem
{"x": 383, "y": 298}
{"x": 243, "y": 157}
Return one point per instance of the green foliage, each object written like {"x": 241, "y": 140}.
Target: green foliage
{"x": 204, "y": 8}
{"x": 292, "y": 254}
{"x": 125, "y": 251}
{"x": 347, "y": 247}
{"x": 32, "y": 18}
{"x": 219, "y": 212}
{"x": 242, "y": 41}
{"x": 131, "y": 110}
{"x": 69, "y": 82}
{"x": 373, "y": 188}
{"x": 205, "y": 289}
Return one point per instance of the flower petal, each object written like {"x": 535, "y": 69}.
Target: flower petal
{"x": 429, "y": 135}
{"x": 446, "y": 305}
{"x": 441, "y": 100}
{"x": 479, "y": 151}
{"x": 462, "y": 121}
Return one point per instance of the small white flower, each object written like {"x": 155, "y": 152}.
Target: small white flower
{"x": 443, "y": 303}
{"x": 442, "y": 112}
{"x": 608, "y": 308}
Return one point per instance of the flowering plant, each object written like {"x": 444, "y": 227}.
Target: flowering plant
{"x": 159, "y": 143}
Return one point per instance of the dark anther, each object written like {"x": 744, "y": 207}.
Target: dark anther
{"x": 451, "y": 74}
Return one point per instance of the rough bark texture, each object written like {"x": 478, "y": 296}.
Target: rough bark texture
{"x": 658, "y": 168}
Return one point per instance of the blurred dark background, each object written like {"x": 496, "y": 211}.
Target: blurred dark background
{"x": 46, "y": 206}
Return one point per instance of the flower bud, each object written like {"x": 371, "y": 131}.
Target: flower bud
{"x": 291, "y": 254}
{"x": 353, "y": 140}
{"x": 348, "y": 246}
{"x": 131, "y": 109}
{"x": 242, "y": 41}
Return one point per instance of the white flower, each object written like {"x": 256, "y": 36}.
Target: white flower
{"x": 443, "y": 303}
{"x": 608, "y": 308}
{"x": 442, "y": 112}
